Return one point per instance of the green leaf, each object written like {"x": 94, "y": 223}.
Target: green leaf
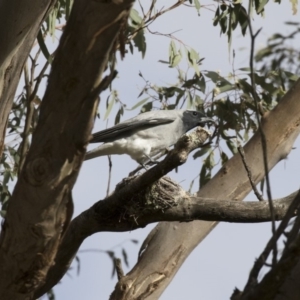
{"x": 201, "y": 152}
{"x": 214, "y": 76}
{"x": 189, "y": 190}
{"x": 229, "y": 32}
{"x": 211, "y": 158}
{"x": 193, "y": 58}
{"x": 224, "y": 158}
{"x": 172, "y": 51}
{"x": 276, "y": 36}
{"x": 135, "y": 17}
{"x": 69, "y": 4}
{"x": 259, "y": 5}
{"x": 147, "y": 107}
{"x": 197, "y": 5}
{"x": 292, "y": 23}
{"x": 223, "y": 24}
{"x": 205, "y": 175}
{"x": 176, "y": 60}
{"x": 234, "y": 18}
{"x": 263, "y": 53}
{"x": 198, "y": 102}
{"x": 216, "y": 18}
{"x": 52, "y": 19}
{"x": 291, "y": 76}
{"x": 232, "y": 147}
{"x": 189, "y": 100}
{"x": 163, "y": 61}
{"x": 43, "y": 47}
{"x": 246, "y": 69}
{"x": 140, "y": 42}
{"x": 125, "y": 257}
{"x": 139, "y": 103}
{"x": 242, "y": 18}
{"x": 222, "y": 84}
{"x": 179, "y": 96}
{"x": 245, "y": 86}
{"x": 174, "y": 55}
{"x": 202, "y": 84}
{"x": 118, "y": 115}
{"x": 110, "y": 106}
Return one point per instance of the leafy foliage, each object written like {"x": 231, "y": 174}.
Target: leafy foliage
{"x": 228, "y": 16}
{"x": 227, "y": 98}
{"x": 279, "y": 61}
{"x": 135, "y": 32}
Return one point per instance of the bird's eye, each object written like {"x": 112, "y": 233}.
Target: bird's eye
{"x": 195, "y": 113}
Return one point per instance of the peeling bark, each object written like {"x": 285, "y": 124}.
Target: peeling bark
{"x": 40, "y": 205}
{"x": 20, "y": 23}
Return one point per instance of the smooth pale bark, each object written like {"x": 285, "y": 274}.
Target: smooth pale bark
{"x": 113, "y": 215}
{"x": 170, "y": 243}
{"x": 20, "y": 23}
{"x": 41, "y": 205}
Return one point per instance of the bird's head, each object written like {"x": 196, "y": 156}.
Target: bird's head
{"x": 193, "y": 118}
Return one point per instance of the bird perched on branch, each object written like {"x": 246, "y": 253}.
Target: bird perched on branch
{"x": 146, "y": 135}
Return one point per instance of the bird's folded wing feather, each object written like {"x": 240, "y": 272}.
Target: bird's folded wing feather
{"x": 122, "y": 129}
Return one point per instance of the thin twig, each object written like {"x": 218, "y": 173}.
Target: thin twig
{"x": 142, "y": 8}
{"x": 109, "y": 174}
{"x": 40, "y": 77}
{"x": 150, "y": 19}
{"x": 27, "y": 80}
{"x": 30, "y": 96}
{"x": 242, "y": 153}
{"x": 262, "y": 134}
{"x": 34, "y": 63}
{"x": 29, "y": 114}
{"x": 119, "y": 268}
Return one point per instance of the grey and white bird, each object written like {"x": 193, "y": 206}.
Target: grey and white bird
{"x": 146, "y": 135}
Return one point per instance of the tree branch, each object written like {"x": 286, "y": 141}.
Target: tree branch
{"x": 175, "y": 241}
{"x": 163, "y": 201}
{"x": 19, "y": 37}
{"x": 39, "y": 209}
{"x": 261, "y": 131}
{"x": 124, "y": 196}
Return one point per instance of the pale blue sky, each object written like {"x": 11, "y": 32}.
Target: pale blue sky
{"x": 224, "y": 259}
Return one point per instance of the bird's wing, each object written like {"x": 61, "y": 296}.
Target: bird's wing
{"x": 123, "y": 129}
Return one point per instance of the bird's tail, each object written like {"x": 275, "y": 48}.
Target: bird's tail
{"x": 104, "y": 149}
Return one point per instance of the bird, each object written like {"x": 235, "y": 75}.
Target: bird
{"x": 147, "y": 134}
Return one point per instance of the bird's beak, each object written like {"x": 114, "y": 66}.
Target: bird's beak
{"x": 207, "y": 120}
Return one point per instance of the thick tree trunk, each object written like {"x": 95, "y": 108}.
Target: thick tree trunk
{"x": 169, "y": 244}
{"x": 40, "y": 207}
{"x": 20, "y": 23}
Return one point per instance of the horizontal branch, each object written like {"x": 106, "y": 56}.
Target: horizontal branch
{"x": 171, "y": 204}
{"x": 174, "y": 204}
{"x": 148, "y": 198}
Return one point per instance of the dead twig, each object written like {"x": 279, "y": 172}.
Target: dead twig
{"x": 256, "y": 192}
{"x": 262, "y": 134}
